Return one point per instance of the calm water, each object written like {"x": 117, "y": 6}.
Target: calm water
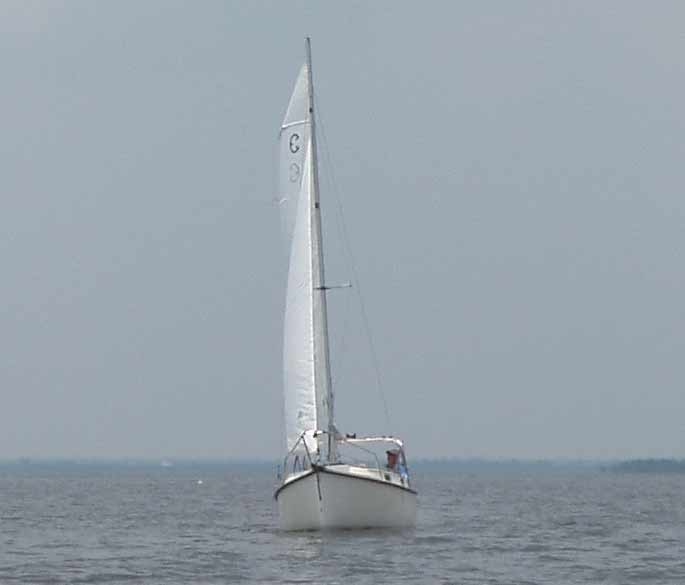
{"x": 159, "y": 526}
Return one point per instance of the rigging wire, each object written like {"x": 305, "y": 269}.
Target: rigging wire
{"x": 342, "y": 332}
{"x": 347, "y": 249}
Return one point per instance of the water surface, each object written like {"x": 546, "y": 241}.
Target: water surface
{"x": 99, "y": 524}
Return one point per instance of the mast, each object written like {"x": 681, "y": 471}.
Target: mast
{"x": 322, "y": 359}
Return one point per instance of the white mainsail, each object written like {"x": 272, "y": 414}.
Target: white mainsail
{"x": 307, "y": 379}
{"x": 304, "y": 401}
{"x": 293, "y": 141}
{"x": 298, "y": 344}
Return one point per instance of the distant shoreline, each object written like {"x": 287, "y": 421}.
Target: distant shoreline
{"x": 649, "y": 466}
{"x": 662, "y": 465}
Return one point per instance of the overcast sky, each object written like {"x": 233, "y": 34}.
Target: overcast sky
{"x": 512, "y": 177}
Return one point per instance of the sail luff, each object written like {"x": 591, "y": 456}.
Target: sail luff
{"x": 322, "y": 369}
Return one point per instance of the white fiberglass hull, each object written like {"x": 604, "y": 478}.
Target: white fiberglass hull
{"x": 345, "y": 497}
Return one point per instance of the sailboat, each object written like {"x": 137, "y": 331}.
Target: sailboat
{"x": 322, "y": 486}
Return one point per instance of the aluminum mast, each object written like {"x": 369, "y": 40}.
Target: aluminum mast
{"x": 322, "y": 358}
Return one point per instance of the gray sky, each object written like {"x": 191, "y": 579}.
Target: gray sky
{"x": 512, "y": 178}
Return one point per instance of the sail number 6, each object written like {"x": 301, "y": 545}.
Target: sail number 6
{"x": 293, "y": 143}
{"x": 294, "y": 173}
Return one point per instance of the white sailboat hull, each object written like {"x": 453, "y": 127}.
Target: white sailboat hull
{"x": 337, "y": 496}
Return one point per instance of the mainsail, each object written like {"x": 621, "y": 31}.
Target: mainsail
{"x": 298, "y": 343}
{"x": 307, "y": 379}
{"x": 293, "y": 141}
{"x": 303, "y": 405}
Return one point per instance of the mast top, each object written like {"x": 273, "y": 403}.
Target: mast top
{"x": 308, "y": 51}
